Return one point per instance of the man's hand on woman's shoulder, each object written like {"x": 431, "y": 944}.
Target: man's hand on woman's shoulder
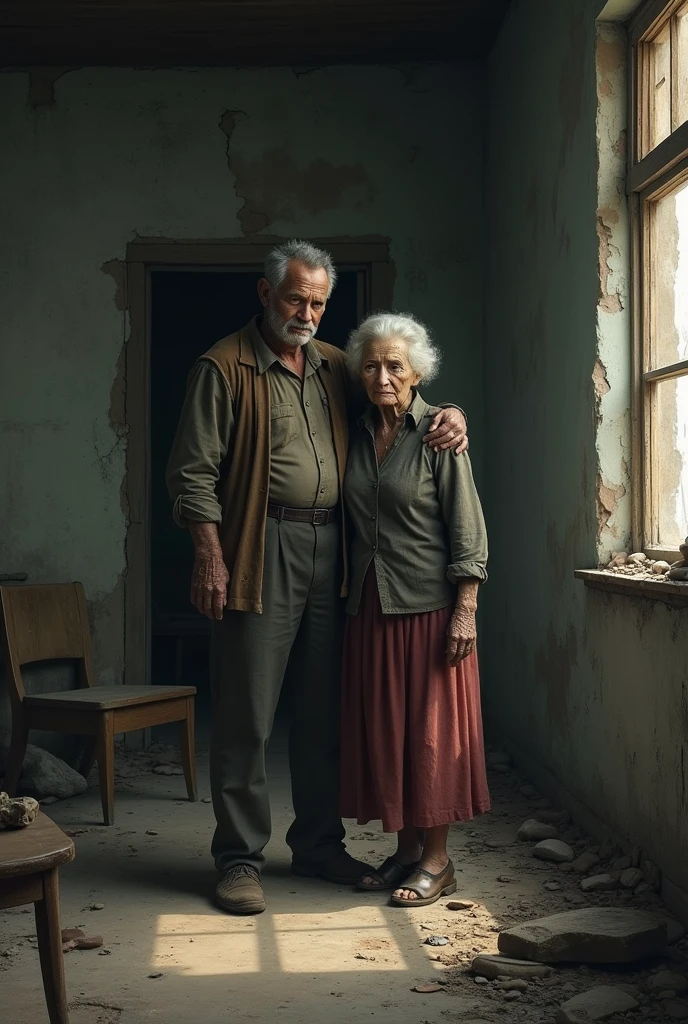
{"x": 448, "y": 430}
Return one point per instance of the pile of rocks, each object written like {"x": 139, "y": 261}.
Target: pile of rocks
{"x": 639, "y": 565}
{"x": 618, "y": 952}
{"x": 597, "y": 937}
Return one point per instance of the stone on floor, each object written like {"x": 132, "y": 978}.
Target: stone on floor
{"x": 45, "y": 775}
{"x": 608, "y": 935}
{"x": 535, "y": 831}
{"x": 585, "y": 863}
{"x": 597, "y": 1004}
{"x": 553, "y": 850}
{"x": 601, "y": 883}
{"x": 492, "y": 966}
{"x": 668, "y": 981}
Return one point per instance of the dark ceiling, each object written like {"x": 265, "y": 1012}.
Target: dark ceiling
{"x": 165, "y": 33}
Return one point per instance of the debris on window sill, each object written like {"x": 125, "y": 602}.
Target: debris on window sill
{"x": 657, "y": 587}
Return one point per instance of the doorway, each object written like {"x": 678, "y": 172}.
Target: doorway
{"x": 190, "y": 309}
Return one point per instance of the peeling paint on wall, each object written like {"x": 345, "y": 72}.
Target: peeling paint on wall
{"x": 610, "y": 301}
{"x": 41, "y": 89}
{"x": 277, "y": 185}
{"x": 611, "y": 372}
{"x": 117, "y": 269}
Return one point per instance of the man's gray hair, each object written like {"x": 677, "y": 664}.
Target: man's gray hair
{"x": 424, "y": 357}
{"x": 278, "y": 259}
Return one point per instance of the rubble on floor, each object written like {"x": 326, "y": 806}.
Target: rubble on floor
{"x": 448, "y": 962}
{"x": 619, "y": 955}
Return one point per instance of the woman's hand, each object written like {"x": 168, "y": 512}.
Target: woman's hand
{"x": 461, "y": 634}
{"x": 461, "y": 631}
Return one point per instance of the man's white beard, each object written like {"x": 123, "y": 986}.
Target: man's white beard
{"x": 281, "y": 328}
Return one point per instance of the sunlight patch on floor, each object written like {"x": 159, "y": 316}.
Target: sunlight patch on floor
{"x": 356, "y": 940}
{"x": 206, "y": 944}
{"x": 197, "y": 945}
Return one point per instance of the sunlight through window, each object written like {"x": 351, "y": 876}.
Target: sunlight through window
{"x": 356, "y": 940}
{"x": 197, "y": 944}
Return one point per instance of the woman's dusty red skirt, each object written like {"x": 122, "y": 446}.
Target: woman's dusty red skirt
{"x": 412, "y": 734}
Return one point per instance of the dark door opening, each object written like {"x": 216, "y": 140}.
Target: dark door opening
{"x": 190, "y": 311}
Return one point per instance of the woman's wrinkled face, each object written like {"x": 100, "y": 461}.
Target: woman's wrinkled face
{"x": 386, "y": 372}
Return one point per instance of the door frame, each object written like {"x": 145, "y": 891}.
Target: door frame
{"x": 371, "y": 255}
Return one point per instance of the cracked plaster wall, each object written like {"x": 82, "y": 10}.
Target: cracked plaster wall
{"x": 101, "y": 156}
{"x": 593, "y": 686}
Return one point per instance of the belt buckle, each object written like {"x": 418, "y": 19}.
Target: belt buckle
{"x": 321, "y": 516}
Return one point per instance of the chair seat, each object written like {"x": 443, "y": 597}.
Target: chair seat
{"x": 39, "y": 847}
{"x": 105, "y": 698}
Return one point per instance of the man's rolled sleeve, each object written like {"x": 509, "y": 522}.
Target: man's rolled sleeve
{"x": 200, "y": 445}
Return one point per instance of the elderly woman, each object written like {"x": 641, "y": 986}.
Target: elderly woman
{"x": 412, "y": 743}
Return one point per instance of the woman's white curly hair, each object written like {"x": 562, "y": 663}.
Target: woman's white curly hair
{"x": 424, "y": 357}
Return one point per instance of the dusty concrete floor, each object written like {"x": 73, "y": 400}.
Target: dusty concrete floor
{"x": 319, "y": 953}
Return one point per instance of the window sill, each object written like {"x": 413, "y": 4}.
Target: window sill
{"x": 669, "y": 591}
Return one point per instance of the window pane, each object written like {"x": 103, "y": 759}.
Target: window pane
{"x": 681, "y": 67}
{"x": 670, "y": 460}
{"x": 660, "y": 87}
{"x": 669, "y": 280}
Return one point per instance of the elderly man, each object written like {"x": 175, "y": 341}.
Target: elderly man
{"x": 255, "y": 474}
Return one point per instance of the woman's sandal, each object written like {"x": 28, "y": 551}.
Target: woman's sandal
{"x": 428, "y": 887}
{"x": 390, "y": 873}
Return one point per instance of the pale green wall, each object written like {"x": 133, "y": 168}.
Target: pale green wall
{"x": 338, "y": 152}
{"x": 595, "y": 686}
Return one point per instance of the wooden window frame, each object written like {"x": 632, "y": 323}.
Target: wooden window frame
{"x": 649, "y": 178}
{"x": 144, "y": 256}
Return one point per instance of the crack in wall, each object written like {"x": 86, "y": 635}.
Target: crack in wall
{"x": 609, "y": 301}
{"x": 252, "y": 221}
{"x": 41, "y": 88}
{"x": 602, "y": 387}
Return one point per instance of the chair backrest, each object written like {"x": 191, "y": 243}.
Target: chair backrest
{"x": 44, "y": 623}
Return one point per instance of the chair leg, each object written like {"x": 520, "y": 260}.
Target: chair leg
{"x": 88, "y": 755}
{"x": 50, "y": 949}
{"x": 188, "y": 738}
{"x": 106, "y": 766}
{"x": 15, "y": 754}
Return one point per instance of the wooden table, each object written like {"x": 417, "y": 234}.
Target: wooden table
{"x": 29, "y": 862}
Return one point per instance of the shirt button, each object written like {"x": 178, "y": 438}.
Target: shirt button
{"x": 373, "y": 516}
{"x": 322, "y": 490}
{"x": 307, "y": 404}
{"x": 322, "y": 462}
{"x": 374, "y": 487}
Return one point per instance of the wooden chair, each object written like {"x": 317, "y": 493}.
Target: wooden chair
{"x": 29, "y": 862}
{"x": 44, "y": 623}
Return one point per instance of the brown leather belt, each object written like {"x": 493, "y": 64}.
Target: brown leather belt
{"x": 316, "y": 516}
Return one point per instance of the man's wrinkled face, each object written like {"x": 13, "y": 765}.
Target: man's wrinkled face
{"x": 294, "y": 309}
